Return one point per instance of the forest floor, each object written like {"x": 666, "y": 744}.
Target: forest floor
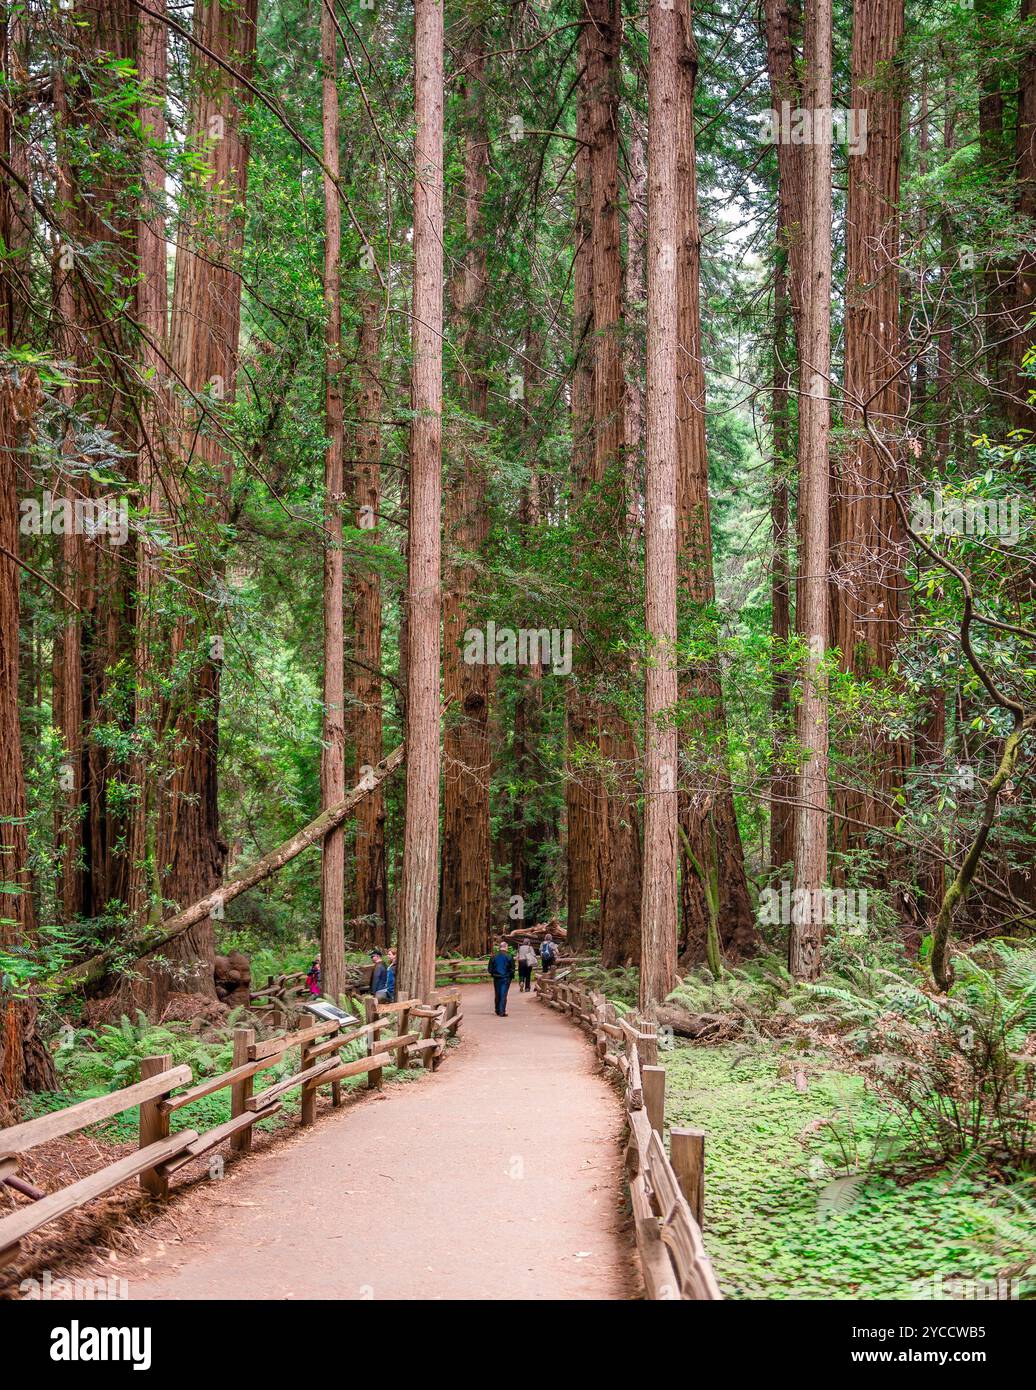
{"x": 498, "y": 1177}
{"x": 811, "y": 1194}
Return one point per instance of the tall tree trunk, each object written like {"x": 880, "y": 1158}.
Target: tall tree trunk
{"x": 206, "y": 320}
{"x": 782, "y": 783}
{"x": 332, "y": 759}
{"x": 782, "y": 24}
{"x": 152, "y": 306}
{"x": 814, "y": 335}
{"x": 24, "y": 1062}
{"x": 417, "y": 912}
{"x": 582, "y": 787}
{"x": 867, "y": 544}
{"x": 95, "y": 246}
{"x": 614, "y": 804}
{"x": 370, "y": 889}
{"x": 1021, "y": 412}
{"x": 659, "y": 906}
{"x": 711, "y": 838}
{"x": 530, "y": 829}
{"x": 464, "y": 907}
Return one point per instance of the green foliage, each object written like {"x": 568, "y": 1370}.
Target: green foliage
{"x": 804, "y": 1200}
{"x": 959, "y": 1069}
{"x": 111, "y": 1055}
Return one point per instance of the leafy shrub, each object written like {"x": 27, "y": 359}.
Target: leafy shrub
{"x": 960, "y": 1069}
{"x": 110, "y": 1056}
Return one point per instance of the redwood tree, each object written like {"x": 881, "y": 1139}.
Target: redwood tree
{"x": 370, "y": 891}
{"x": 419, "y": 893}
{"x": 814, "y": 336}
{"x": 715, "y": 900}
{"x": 464, "y": 912}
{"x": 867, "y": 553}
{"x": 659, "y": 907}
{"x": 206, "y": 320}
{"x": 332, "y": 760}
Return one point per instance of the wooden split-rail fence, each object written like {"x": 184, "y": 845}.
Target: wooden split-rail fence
{"x": 667, "y": 1190}
{"x": 420, "y": 1035}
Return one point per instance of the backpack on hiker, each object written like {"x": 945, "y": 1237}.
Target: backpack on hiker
{"x": 548, "y": 955}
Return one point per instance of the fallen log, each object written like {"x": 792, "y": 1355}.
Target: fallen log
{"x": 88, "y": 972}
{"x": 687, "y": 1025}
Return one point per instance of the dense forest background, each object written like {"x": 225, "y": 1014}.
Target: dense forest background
{"x": 727, "y": 436}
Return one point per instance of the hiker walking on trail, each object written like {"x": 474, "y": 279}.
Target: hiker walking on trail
{"x": 548, "y": 954}
{"x": 526, "y": 960}
{"x": 501, "y": 967}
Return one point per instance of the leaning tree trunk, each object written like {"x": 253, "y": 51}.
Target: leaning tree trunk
{"x": 417, "y": 911}
{"x": 814, "y": 335}
{"x": 659, "y": 909}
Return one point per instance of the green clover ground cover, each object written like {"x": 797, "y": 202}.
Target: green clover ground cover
{"x": 799, "y": 1208}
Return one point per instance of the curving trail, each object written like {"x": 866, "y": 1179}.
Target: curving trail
{"x": 498, "y": 1177}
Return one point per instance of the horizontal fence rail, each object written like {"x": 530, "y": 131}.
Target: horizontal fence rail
{"x": 666, "y": 1189}
{"x": 409, "y": 1032}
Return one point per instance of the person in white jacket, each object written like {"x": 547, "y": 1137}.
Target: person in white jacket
{"x": 526, "y": 960}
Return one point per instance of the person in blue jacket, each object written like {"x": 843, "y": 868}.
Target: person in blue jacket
{"x": 388, "y": 994}
{"x": 378, "y": 975}
{"x": 501, "y": 967}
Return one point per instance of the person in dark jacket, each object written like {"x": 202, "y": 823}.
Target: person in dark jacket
{"x": 388, "y": 994}
{"x": 380, "y": 974}
{"x": 501, "y": 967}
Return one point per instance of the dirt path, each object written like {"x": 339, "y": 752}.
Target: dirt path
{"x": 498, "y": 1177}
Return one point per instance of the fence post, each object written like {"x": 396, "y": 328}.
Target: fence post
{"x": 652, "y": 1079}
{"x": 370, "y": 1013}
{"x": 687, "y": 1155}
{"x": 647, "y": 1044}
{"x": 427, "y": 1025}
{"x": 154, "y": 1125}
{"x": 241, "y": 1142}
{"x": 309, "y": 1093}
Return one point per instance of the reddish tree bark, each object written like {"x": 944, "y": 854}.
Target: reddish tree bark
{"x": 604, "y": 815}
{"x": 206, "y": 320}
{"x": 464, "y": 907}
{"x": 814, "y": 335}
{"x": 370, "y": 889}
{"x": 867, "y": 544}
{"x": 582, "y": 788}
{"x": 659, "y": 908}
{"x": 417, "y": 911}
{"x": 707, "y": 812}
{"x": 332, "y": 759}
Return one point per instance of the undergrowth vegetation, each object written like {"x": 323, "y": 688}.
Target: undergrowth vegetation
{"x": 867, "y": 1136}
